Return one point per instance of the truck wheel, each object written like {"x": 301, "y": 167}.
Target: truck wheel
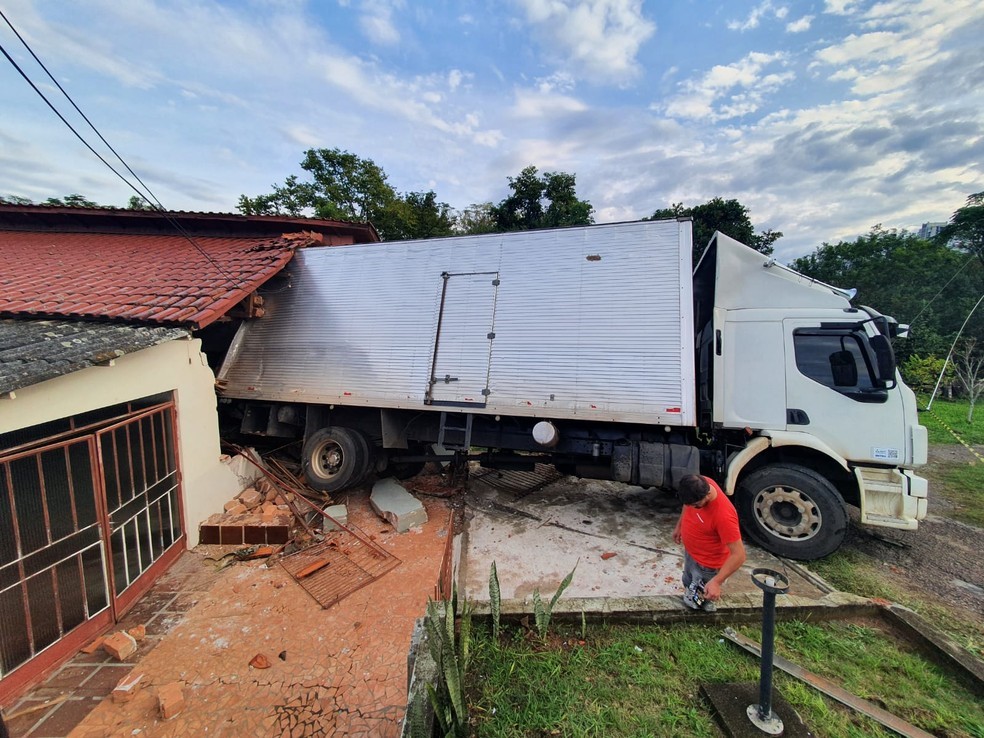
{"x": 334, "y": 458}
{"x": 792, "y": 511}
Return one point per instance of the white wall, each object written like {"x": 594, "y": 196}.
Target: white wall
{"x": 177, "y": 366}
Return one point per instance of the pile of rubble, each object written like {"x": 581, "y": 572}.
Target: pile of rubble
{"x": 260, "y": 514}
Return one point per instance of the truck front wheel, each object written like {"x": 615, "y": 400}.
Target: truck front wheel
{"x": 334, "y": 458}
{"x": 792, "y": 511}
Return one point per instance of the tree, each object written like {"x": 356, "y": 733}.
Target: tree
{"x": 968, "y": 366}
{"x": 344, "y": 186}
{"x": 138, "y": 203}
{"x": 921, "y": 282}
{"x": 14, "y": 200}
{"x": 475, "y": 219}
{"x": 422, "y": 216}
{"x": 547, "y": 201}
{"x": 966, "y": 228}
{"x": 72, "y": 201}
{"x": 728, "y": 216}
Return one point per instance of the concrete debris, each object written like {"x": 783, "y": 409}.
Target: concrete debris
{"x": 399, "y": 508}
{"x": 338, "y": 514}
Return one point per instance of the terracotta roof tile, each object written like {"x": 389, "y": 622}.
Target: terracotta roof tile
{"x": 145, "y": 277}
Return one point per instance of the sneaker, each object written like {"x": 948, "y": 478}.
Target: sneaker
{"x": 689, "y": 602}
{"x": 710, "y": 606}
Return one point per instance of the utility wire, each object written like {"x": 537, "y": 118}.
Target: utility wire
{"x": 959, "y": 270}
{"x": 153, "y": 200}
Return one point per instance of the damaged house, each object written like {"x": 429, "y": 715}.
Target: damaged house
{"x": 111, "y": 322}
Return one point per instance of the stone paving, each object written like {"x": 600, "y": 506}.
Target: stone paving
{"x": 340, "y": 671}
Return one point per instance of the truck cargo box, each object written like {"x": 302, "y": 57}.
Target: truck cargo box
{"x": 592, "y": 323}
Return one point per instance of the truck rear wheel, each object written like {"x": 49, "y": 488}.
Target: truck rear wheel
{"x": 792, "y": 511}
{"x": 334, "y": 458}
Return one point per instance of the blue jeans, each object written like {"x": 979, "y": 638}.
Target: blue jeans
{"x": 692, "y": 570}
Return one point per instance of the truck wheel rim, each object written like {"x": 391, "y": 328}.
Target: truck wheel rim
{"x": 787, "y": 513}
{"x": 327, "y": 459}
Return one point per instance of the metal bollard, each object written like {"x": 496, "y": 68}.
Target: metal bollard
{"x": 771, "y": 583}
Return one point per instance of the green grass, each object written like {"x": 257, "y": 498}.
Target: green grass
{"x": 852, "y": 571}
{"x": 644, "y": 681}
{"x": 952, "y": 413}
{"x": 963, "y": 486}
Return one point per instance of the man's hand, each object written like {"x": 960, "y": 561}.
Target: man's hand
{"x": 677, "y": 535}
{"x": 712, "y": 590}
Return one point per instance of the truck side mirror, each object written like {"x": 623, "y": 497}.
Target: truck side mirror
{"x": 843, "y": 369}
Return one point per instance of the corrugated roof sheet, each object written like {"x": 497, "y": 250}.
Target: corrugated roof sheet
{"x": 138, "y": 277}
{"x": 32, "y": 351}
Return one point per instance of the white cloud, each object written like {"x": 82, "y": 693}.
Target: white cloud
{"x": 757, "y": 14}
{"x": 800, "y": 25}
{"x": 729, "y": 90}
{"x": 839, "y": 7}
{"x": 540, "y": 104}
{"x": 596, "y": 39}
{"x": 376, "y": 21}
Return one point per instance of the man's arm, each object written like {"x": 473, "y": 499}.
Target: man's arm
{"x": 736, "y": 557}
{"x": 677, "y": 534}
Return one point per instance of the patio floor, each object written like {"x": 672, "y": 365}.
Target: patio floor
{"x": 341, "y": 670}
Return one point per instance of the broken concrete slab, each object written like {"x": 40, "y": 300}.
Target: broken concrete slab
{"x": 336, "y": 513}
{"x": 399, "y": 508}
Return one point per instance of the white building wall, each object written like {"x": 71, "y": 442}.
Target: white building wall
{"x": 177, "y": 366}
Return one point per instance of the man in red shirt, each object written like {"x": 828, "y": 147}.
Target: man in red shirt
{"x": 708, "y": 529}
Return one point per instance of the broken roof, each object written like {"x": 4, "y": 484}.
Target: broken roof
{"x": 32, "y": 351}
{"x": 184, "y": 269}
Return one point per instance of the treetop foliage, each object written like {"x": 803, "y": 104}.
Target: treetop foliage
{"x": 540, "y": 201}
{"x": 924, "y": 283}
{"x": 728, "y": 216}
{"x": 966, "y": 228}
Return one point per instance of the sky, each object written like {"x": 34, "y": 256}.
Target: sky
{"x": 823, "y": 118}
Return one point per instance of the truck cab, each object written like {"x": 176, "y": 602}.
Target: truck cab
{"x": 800, "y": 391}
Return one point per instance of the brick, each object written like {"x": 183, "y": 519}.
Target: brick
{"x": 251, "y": 498}
{"x": 138, "y": 632}
{"x": 237, "y": 509}
{"x": 120, "y": 645}
{"x": 231, "y": 504}
{"x": 260, "y": 662}
{"x": 127, "y": 687}
{"x": 170, "y": 700}
{"x": 208, "y": 534}
{"x": 231, "y": 535}
{"x": 269, "y": 509}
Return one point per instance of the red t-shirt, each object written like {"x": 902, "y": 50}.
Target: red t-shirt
{"x": 707, "y": 530}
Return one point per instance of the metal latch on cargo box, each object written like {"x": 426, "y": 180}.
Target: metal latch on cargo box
{"x": 448, "y": 379}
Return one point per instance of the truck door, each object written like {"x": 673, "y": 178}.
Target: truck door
{"x": 463, "y": 340}
{"x": 833, "y": 392}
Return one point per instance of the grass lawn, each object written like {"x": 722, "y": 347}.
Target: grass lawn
{"x": 644, "y": 681}
{"x": 952, "y": 413}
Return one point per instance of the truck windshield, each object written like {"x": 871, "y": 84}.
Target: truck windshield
{"x": 841, "y": 361}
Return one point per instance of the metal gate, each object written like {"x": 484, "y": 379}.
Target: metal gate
{"x": 87, "y": 520}
{"x": 463, "y": 340}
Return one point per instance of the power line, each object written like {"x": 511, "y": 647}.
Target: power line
{"x": 153, "y": 200}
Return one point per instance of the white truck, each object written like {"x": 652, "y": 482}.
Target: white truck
{"x": 598, "y": 350}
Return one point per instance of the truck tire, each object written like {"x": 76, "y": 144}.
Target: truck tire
{"x": 792, "y": 511}
{"x": 334, "y": 458}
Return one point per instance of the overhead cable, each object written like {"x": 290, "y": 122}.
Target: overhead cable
{"x": 152, "y": 199}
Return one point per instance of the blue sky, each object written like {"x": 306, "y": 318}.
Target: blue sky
{"x": 824, "y": 118}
